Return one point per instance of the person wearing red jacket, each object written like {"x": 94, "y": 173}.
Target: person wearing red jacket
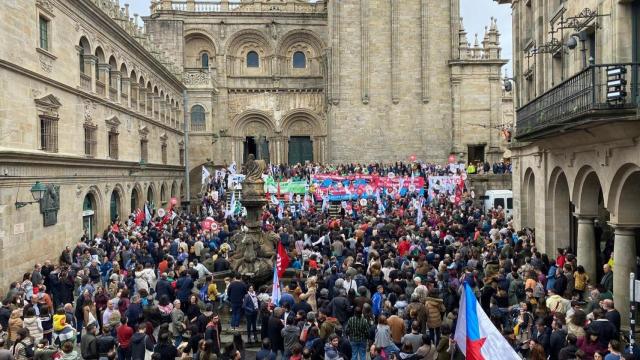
{"x": 124, "y": 334}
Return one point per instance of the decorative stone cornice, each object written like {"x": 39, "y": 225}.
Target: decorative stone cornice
{"x": 143, "y": 131}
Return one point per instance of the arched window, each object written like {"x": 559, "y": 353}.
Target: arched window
{"x": 134, "y": 200}
{"x": 89, "y": 215}
{"x": 150, "y": 197}
{"x": 204, "y": 60}
{"x": 197, "y": 118}
{"x": 114, "y": 205}
{"x": 299, "y": 60}
{"x": 253, "y": 60}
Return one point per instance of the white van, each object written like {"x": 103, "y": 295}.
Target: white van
{"x": 502, "y": 198}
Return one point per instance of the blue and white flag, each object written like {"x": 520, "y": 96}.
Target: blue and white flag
{"x": 280, "y": 210}
{"x": 147, "y": 213}
{"x": 233, "y": 168}
{"x": 232, "y": 205}
{"x": 205, "y": 174}
{"x": 476, "y": 336}
{"x": 275, "y": 293}
{"x": 420, "y": 214}
{"x": 381, "y": 207}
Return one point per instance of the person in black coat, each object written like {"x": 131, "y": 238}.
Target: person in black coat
{"x": 236, "y": 292}
{"x": 557, "y": 340}
{"x": 542, "y": 335}
{"x": 163, "y": 287}
{"x": 274, "y": 329}
{"x": 603, "y": 327}
{"x": 569, "y": 352}
{"x": 340, "y": 307}
{"x": 212, "y": 332}
{"x": 265, "y": 315}
{"x": 560, "y": 286}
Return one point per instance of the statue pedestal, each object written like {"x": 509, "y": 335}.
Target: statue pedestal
{"x": 254, "y": 253}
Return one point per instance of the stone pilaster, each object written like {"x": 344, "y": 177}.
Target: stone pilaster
{"x": 395, "y": 50}
{"x": 103, "y": 74}
{"x": 133, "y": 93}
{"x": 91, "y": 61}
{"x": 424, "y": 49}
{"x": 364, "y": 50}
{"x": 334, "y": 53}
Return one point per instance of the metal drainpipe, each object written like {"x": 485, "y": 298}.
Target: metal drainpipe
{"x": 187, "y": 188}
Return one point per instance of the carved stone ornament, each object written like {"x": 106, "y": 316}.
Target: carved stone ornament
{"x": 46, "y": 63}
{"x": 196, "y": 78}
{"x": 89, "y": 109}
{"x": 107, "y": 188}
{"x": 46, "y": 5}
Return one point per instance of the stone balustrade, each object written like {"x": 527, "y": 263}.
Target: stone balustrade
{"x": 237, "y": 6}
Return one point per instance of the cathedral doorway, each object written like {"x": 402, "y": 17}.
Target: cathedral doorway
{"x": 300, "y": 149}
{"x": 258, "y": 146}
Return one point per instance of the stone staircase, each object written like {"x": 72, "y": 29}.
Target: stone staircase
{"x": 334, "y": 209}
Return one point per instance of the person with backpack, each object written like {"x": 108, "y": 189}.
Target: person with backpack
{"x": 23, "y": 348}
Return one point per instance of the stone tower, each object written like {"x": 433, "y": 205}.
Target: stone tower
{"x": 389, "y": 79}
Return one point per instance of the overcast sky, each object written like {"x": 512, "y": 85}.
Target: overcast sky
{"x": 476, "y": 15}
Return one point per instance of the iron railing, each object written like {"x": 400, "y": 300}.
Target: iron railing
{"x": 573, "y": 100}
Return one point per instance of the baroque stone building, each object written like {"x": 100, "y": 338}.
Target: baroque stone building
{"x": 104, "y": 115}
{"x": 334, "y": 81}
{"x": 577, "y": 157}
{"x": 88, "y": 110}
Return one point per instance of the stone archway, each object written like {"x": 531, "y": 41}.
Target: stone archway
{"x": 589, "y": 201}
{"x": 559, "y": 213}
{"x": 92, "y": 212}
{"x": 136, "y": 198}
{"x": 623, "y": 200}
{"x": 528, "y": 203}
{"x": 254, "y": 133}
{"x": 304, "y": 137}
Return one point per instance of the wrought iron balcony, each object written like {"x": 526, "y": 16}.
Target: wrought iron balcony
{"x": 581, "y": 99}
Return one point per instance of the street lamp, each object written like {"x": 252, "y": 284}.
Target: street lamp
{"x": 37, "y": 191}
{"x": 572, "y": 42}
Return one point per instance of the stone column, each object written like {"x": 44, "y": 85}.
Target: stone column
{"x": 586, "y": 251}
{"x": 118, "y": 81}
{"x": 624, "y": 257}
{"x": 142, "y": 100}
{"x": 91, "y": 60}
{"x": 133, "y": 90}
{"x": 103, "y": 73}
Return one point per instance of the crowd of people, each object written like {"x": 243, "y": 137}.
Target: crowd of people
{"x": 381, "y": 283}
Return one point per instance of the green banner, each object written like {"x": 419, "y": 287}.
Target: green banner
{"x": 296, "y": 187}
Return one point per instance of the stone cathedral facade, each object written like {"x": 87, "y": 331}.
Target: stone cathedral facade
{"x": 334, "y": 81}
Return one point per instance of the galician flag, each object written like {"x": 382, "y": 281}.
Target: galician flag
{"x": 476, "y": 336}
{"x": 275, "y": 293}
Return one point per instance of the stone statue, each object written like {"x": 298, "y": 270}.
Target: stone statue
{"x": 253, "y": 169}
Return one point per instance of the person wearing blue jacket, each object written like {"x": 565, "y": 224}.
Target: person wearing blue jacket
{"x": 551, "y": 274}
{"x": 377, "y": 300}
{"x": 184, "y": 284}
{"x": 236, "y": 292}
